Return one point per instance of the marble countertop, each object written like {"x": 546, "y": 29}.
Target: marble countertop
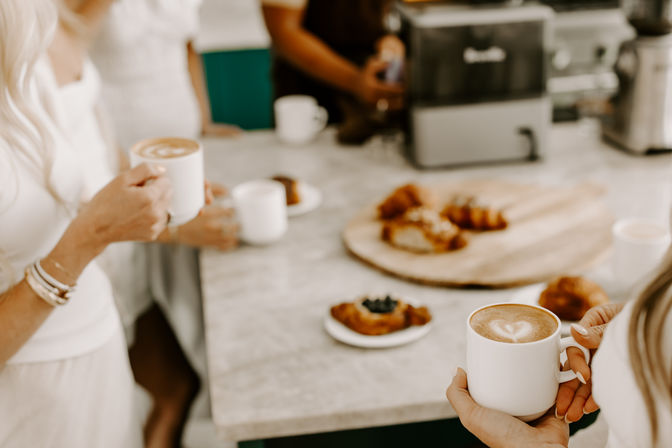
{"x": 274, "y": 371}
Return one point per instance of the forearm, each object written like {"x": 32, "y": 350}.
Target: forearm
{"x": 22, "y": 311}
{"x": 311, "y": 55}
{"x": 196, "y": 73}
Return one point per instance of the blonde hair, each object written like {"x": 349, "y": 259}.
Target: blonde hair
{"x": 650, "y": 314}
{"x": 26, "y": 29}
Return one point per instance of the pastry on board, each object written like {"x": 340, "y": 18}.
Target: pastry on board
{"x": 467, "y": 213}
{"x": 291, "y": 188}
{"x": 570, "y": 297}
{"x": 378, "y": 316}
{"x": 423, "y": 229}
{"x": 405, "y": 197}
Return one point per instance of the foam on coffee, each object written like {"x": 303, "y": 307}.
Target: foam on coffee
{"x": 514, "y": 323}
{"x": 165, "y": 148}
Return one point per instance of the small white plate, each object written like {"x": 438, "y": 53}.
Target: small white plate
{"x": 347, "y": 336}
{"x": 529, "y": 295}
{"x": 311, "y": 198}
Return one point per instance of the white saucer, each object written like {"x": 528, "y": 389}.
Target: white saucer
{"x": 347, "y": 336}
{"x": 311, "y": 198}
{"x": 529, "y": 295}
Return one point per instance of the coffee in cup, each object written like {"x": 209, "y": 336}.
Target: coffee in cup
{"x": 514, "y": 324}
{"x": 513, "y": 358}
{"x": 183, "y": 160}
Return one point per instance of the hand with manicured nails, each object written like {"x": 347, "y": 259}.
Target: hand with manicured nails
{"x": 132, "y": 207}
{"x": 575, "y": 397}
{"x": 499, "y": 430}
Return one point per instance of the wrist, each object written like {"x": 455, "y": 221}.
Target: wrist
{"x": 74, "y": 251}
{"x": 170, "y": 235}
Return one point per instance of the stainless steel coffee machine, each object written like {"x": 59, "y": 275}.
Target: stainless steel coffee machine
{"x": 477, "y": 82}
{"x": 641, "y": 117}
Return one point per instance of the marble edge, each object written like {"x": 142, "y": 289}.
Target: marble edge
{"x": 341, "y": 421}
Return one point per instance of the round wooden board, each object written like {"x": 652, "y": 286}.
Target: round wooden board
{"x": 552, "y": 231}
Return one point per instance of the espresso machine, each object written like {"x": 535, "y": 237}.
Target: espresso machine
{"x": 640, "y": 119}
{"x": 477, "y": 77}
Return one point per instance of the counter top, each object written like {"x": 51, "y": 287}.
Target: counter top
{"x": 274, "y": 371}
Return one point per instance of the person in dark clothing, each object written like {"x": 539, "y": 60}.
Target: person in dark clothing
{"x": 338, "y": 52}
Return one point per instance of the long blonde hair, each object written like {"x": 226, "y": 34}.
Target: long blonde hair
{"x": 651, "y": 312}
{"x": 26, "y": 29}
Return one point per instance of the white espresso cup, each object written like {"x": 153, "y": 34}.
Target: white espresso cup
{"x": 183, "y": 160}
{"x": 515, "y": 368}
{"x": 639, "y": 246}
{"x": 261, "y": 210}
{"x": 298, "y": 118}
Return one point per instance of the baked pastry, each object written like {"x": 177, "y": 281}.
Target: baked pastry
{"x": 376, "y": 316}
{"x": 570, "y": 297}
{"x": 467, "y": 213}
{"x": 291, "y": 188}
{"x": 423, "y": 229}
{"x": 403, "y": 198}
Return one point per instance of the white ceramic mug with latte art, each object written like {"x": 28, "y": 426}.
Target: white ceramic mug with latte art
{"x": 513, "y": 359}
{"x": 183, "y": 160}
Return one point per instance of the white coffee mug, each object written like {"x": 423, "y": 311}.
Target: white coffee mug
{"x": 298, "y": 118}
{"x": 183, "y": 160}
{"x": 639, "y": 246}
{"x": 520, "y": 379}
{"x": 261, "y": 211}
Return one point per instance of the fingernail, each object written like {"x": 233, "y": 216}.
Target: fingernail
{"x": 567, "y": 420}
{"x": 161, "y": 169}
{"x": 580, "y": 329}
{"x": 580, "y": 377}
{"x": 455, "y": 372}
{"x": 556, "y": 414}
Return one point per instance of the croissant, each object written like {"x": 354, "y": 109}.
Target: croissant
{"x": 571, "y": 297}
{"x": 467, "y": 213}
{"x": 403, "y": 198}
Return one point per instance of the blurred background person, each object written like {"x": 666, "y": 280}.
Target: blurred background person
{"x": 64, "y": 372}
{"x": 158, "y": 285}
{"x": 338, "y": 52}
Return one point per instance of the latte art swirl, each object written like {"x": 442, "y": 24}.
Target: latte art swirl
{"x": 513, "y": 323}
{"x": 165, "y": 148}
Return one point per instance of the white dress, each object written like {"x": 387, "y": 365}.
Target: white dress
{"x": 70, "y": 384}
{"x": 617, "y": 394}
{"x": 141, "y": 54}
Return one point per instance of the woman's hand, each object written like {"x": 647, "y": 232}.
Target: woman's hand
{"x": 575, "y": 397}
{"x": 369, "y": 89}
{"x": 499, "y": 430}
{"x": 213, "y": 227}
{"x": 211, "y": 129}
{"x": 132, "y": 207}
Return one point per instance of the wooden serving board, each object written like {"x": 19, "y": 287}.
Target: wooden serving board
{"x": 552, "y": 231}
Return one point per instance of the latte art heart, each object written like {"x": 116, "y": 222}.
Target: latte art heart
{"x": 514, "y": 323}
{"x": 513, "y": 331}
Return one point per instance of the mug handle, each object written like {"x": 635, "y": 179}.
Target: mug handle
{"x": 321, "y": 119}
{"x": 565, "y": 343}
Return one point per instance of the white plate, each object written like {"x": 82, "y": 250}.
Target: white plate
{"x": 530, "y": 295}
{"x": 311, "y": 198}
{"x": 345, "y": 335}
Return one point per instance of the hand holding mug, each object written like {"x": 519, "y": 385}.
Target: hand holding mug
{"x": 499, "y": 430}
{"x": 132, "y": 207}
{"x": 575, "y": 397}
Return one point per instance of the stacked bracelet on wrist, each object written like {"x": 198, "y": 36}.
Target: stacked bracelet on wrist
{"x": 49, "y": 289}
